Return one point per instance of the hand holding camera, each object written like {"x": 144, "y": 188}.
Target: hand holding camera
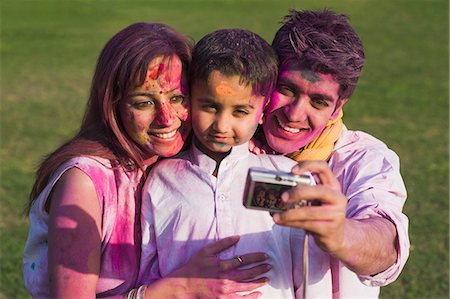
{"x": 264, "y": 188}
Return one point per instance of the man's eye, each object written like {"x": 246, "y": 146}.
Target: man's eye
{"x": 319, "y": 102}
{"x": 285, "y": 90}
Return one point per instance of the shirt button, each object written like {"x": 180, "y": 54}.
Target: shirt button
{"x": 222, "y": 197}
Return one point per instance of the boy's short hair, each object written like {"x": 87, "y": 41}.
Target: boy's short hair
{"x": 323, "y": 42}
{"x": 236, "y": 52}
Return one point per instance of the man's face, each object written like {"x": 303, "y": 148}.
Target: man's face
{"x": 301, "y": 106}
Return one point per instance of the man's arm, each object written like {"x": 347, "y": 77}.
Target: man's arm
{"x": 365, "y": 246}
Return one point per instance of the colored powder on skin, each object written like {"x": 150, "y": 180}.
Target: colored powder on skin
{"x": 184, "y": 115}
{"x": 146, "y": 85}
{"x": 310, "y": 76}
{"x": 166, "y": 113}
{"x": 153, "y": 72}
{"x": 221, "y": 144}
{"x": 141, "y": 138}
{"x": 224, "y": 89}
{"x": 171, "y": 76}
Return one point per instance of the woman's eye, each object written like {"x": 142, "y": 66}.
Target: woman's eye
{"x": 143, "y": 104}
{"x": 178, "y": 99}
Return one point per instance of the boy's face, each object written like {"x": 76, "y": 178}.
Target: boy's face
{"x": 300, "y": 107}
{"x": 155, "y": 115}
{"x": 224, "y": 113}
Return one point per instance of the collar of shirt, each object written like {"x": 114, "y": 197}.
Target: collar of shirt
{"x": 237, "y": 153}
{"x": 342, "y": 141}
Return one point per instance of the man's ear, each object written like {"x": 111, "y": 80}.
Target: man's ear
{"x": 338, "y": 108}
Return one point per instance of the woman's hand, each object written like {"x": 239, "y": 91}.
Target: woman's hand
{"x": 207, "y": 276}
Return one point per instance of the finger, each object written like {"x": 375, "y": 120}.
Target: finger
{"x": 319, "y": 168}
{"x": 234, "y": 287}
{"x": 243, "y": 260}
{"x": 322, "y": 193}
{"x": 250, "y": 274}
{"x": 253, "y": 295}
{"x": 220, "y": 246}
{"x": 313, "y": 227}
{"x": 325, "y": 213}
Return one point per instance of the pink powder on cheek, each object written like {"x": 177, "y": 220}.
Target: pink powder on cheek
{"x": 273, "y": 103}
{"x": 183, "y": 115}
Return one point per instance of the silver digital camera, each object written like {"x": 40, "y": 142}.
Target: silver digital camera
{"x": 264, "y": 187}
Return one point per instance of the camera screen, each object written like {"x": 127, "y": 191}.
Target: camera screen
{"x": 267, "y": 196}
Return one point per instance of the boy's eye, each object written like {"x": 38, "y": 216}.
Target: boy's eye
{"x": 285, "y": 90}
{"x": 241, "y": 112}
{"x": 208, "y": 107}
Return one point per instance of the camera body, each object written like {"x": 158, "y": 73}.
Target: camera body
{"x": 264, "y": 187}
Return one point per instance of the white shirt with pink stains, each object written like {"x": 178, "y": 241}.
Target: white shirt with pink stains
{"x": 186, "y": 208}
{"x": 118, "y": 192}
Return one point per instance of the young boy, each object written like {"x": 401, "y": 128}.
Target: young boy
{"x": 196, "y": 199}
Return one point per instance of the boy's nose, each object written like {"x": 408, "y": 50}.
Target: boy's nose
{"x": 221, "y": 123}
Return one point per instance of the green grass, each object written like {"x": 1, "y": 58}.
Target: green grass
{"x": 48, "y": 51}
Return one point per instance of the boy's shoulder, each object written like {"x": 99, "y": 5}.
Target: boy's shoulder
{"x": 179, "y": 159}
{"x": 276, "y": 162}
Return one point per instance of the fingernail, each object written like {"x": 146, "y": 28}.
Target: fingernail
{"x": 276, "y": 217}
{"x": 284, "y": 196}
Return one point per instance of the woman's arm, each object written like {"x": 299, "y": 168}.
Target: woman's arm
{"x": 74, "y": 237}
{"x": 74, "y": 253}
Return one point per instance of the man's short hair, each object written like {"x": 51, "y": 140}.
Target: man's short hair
{"x": 323, "y": 42}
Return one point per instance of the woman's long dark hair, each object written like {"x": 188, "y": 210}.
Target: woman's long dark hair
{"x": 121, "y": 67}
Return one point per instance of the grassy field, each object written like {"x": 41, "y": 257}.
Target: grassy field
{"x": 48, "y": 52}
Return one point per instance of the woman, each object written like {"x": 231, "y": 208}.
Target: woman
{"x": 84, "y": 210}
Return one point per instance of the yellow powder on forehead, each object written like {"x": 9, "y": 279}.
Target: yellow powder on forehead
{"x": 224, "y": 89}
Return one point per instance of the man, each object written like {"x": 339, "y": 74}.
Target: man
{"x": 360, "y": 235}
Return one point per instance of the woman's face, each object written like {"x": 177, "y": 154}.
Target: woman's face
{"x": 156, "y": 114}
